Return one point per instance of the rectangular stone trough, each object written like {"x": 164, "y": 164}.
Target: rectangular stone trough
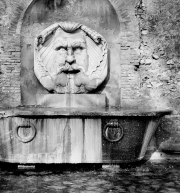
{"x": 71, "y": 135}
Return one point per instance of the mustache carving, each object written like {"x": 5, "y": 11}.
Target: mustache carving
{"x": 71, "y": 68}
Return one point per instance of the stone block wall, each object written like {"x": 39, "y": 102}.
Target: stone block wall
{"x": 159, "y": 23}
{"x": 160, "y": 53}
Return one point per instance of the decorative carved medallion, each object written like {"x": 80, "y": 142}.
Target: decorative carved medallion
{"x": 70, "y": 58}
{"x": 25, "y": 132}
{"x": 113, "y": 131}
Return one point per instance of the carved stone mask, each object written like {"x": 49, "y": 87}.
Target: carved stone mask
{"x": 70, "y": 54}
{"x": 70, "y": 58}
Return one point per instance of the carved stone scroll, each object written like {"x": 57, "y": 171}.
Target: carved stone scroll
{"x": 70, "y": 58}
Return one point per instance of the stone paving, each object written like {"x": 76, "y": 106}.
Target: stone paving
{"x": 148, "y": 178}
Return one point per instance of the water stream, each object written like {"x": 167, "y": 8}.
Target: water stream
{"x": 149, "y": 178}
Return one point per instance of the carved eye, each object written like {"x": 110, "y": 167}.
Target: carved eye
{"x": 61, "y": 48}
{"x": 78, "y": 49}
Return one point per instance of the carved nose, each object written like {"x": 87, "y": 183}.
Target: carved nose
{"x": 70, "y": 59}
{"x": 70, "y": 56}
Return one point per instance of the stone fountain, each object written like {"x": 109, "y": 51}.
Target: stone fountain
{"x": 72, "y": 122}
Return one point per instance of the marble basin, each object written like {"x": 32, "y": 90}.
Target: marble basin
{"x": 31, "y": 135}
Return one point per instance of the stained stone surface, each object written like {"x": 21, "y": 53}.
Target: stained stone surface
{"x": 71, "y": 100}
{"x": 75, "y": 135}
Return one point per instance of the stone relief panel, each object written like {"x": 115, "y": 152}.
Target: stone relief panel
{"x": 70, "y": 58}
{"x": 113, "y": 19}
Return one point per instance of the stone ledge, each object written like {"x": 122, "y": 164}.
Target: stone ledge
{"x": 35, "y": 111}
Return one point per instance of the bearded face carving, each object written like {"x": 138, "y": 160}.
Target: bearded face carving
{"x": 70, "y": 58}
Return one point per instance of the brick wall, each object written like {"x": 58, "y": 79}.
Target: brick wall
{"x": 129, "y": 41}
{"x": 10, "y": 12}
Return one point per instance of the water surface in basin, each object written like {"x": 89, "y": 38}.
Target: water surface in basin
{"x": 164, "y": 178}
